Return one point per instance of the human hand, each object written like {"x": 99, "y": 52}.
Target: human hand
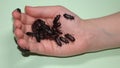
{"x": 81, "y": 30}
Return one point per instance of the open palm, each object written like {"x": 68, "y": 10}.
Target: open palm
{"x": 23, "y": 22}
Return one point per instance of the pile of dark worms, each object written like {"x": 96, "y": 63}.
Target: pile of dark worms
{"x": 41, "y": 31}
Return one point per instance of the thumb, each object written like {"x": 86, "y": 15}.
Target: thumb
{"x": 42, "y": 11}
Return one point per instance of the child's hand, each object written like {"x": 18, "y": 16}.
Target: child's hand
{"x": 82, "y": 31}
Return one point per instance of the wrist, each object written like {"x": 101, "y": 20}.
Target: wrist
{"x": 105, "y": 37}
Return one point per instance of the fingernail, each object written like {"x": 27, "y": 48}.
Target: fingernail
{"x": 19, "y": 10}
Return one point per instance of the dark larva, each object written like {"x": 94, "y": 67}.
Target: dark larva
{"x": 49, "y": 32}
{"x": 56, "y": 19}
{"x": 42, "y": 36}
{"x": 57, "y": 40}
{"x": 64, "y": 40}
{"x": 40, "y": 22}
{"x": 67, "y": 16}
{"x": 53, "y": 29}
{"x": 54, "y": 36}
{"x": 37, "y": 25}
{"x": 70, "y": 37}
{"x": 35, "y": 28}
{"x": 59, "y": 31}
{"x": 56, "y": 31}
{"x": 37, "y": 36}
{"x": 45, "y": 27}
{"x": 19, "y": 10}
{"x": 24, "y": 52}
{"x": 29, "y": 33}
{"x": 58, "y": 24}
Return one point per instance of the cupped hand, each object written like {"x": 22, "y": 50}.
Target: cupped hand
{"x": 78, "y": 28}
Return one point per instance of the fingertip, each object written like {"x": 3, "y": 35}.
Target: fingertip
{"x": 16, "y": 14}
{"x": 18, "y": 33}
{"x": 27, "y": 9}
{"x": 27, "y": 6}
{"x": 17, "y": 24}
{"x": 23, "y": 44}
{"x": 13, "y": 13}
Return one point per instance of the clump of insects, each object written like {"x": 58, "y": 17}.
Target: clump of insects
{"x": 42, "y": 31}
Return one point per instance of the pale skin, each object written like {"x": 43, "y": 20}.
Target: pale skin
{"x": 91, "y": 34}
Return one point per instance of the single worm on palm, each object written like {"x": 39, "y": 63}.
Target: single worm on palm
{"x": 57, "y": 40}
{"x": 68, "y": 16}
{"x": 70, "y": 37}
{"x": 56, "y": 19}
{"x": 64, "y": 40}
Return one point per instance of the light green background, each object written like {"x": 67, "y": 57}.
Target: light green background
{"x": 10, "y": 57}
